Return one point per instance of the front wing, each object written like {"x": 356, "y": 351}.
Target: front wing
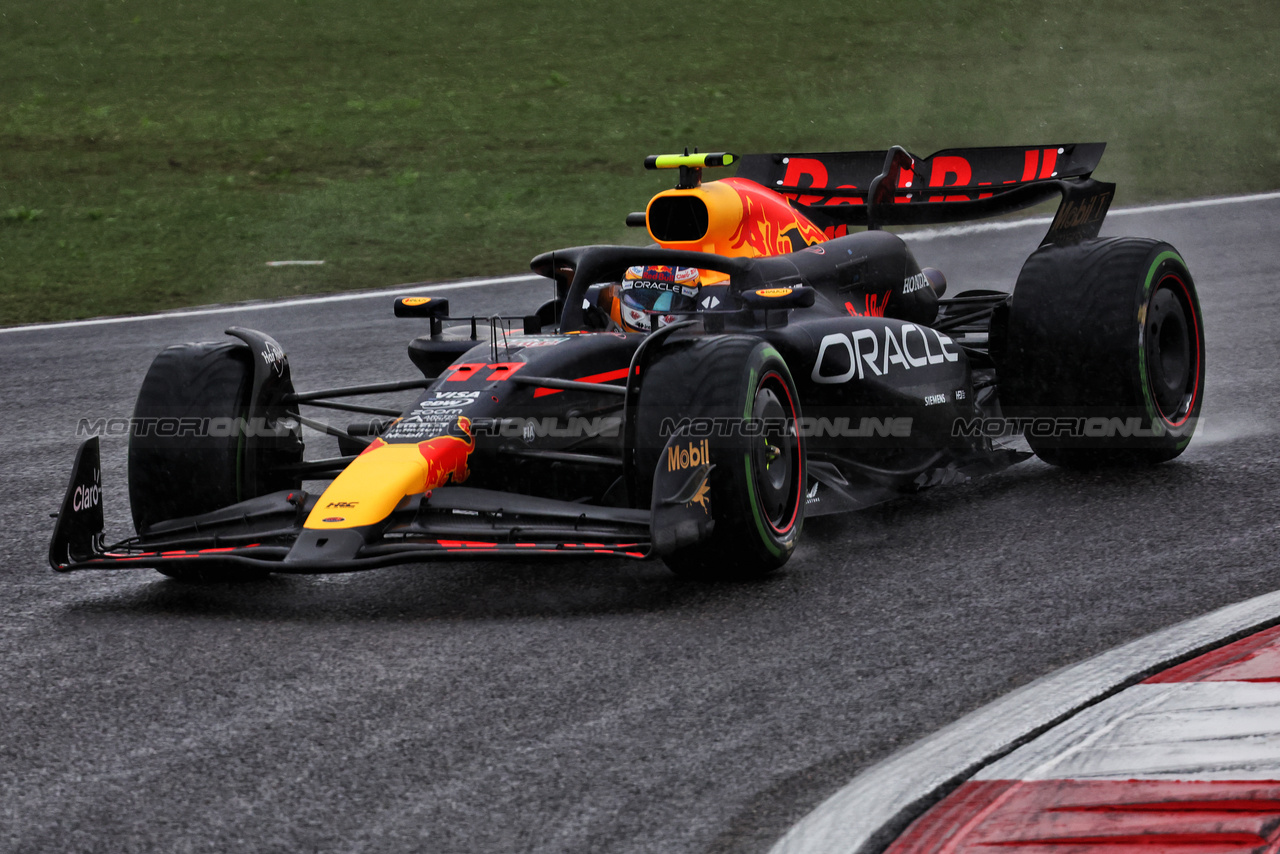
{"x": 447, "y": 523}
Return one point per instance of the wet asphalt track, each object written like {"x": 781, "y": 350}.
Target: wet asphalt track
{"x": 593, "y": 706}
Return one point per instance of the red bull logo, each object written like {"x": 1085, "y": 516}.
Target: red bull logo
{"x": 768, "y": 225}
{"x": 447, "y": 456}
{"x": 874, "y": 307}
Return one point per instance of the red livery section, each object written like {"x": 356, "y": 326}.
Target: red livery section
{"x": 844, "y": 178}
{"x": 446, "y": 456}
{"x": 606, "y": 377}
{"x": 767, "y": 226}
{"x": 874, "y": 306}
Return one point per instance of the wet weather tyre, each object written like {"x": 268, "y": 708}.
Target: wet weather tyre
{"x": 1104, "y": 351}
{"x": 714, "y": 386}
{"x": 189, "y": 449}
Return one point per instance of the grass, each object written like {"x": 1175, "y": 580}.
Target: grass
{"x": 156, "y": 153}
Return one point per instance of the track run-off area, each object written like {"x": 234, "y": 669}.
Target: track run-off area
{"x": 587, "y": 706}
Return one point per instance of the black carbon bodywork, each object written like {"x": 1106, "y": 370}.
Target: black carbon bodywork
{"x": 552, "y": 418}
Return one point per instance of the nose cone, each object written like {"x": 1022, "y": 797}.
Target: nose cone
{"x": 379, "y": 479}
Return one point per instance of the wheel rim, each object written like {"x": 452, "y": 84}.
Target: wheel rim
{"x": 1172, "y": 350}
{"x": 775, "y": 454}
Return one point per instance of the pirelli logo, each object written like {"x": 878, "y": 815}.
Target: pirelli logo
{"x": 689, "y": 456}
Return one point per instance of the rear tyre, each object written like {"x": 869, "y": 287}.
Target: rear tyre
{"x": 1107, "y": 334}
{"x": 190, "y": 451}
{"x": 723, "y": 386}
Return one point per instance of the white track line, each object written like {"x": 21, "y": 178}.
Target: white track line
{"x": 416, "y": 288}
{"x": 410, "y": 288}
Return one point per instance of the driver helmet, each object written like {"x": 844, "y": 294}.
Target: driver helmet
{"x": 656, "y": 288}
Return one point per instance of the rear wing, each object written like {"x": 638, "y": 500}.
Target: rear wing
{"x": 894, "y": 187}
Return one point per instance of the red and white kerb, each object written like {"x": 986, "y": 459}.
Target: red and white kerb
{"x": 1187, "y": 761}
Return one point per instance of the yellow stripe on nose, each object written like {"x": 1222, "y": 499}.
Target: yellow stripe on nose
{"x": 370, "y": 487}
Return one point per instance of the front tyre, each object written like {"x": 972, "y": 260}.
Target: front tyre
{"x": 193, "y": 450}
{"x": 736, "y": 392}
{"x": 1107, "y": 335}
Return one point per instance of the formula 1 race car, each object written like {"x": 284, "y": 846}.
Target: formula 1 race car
{"x": 692, "y": 400}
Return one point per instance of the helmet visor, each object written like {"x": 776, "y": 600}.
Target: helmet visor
{"x": 653, "y": 299}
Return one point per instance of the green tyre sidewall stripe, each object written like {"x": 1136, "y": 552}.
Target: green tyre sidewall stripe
{"x": 762, "y": 527}
{"x": 1153, "y": 411}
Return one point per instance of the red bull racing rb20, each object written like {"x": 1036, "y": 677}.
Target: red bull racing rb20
{"x": 775, "y": 354}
